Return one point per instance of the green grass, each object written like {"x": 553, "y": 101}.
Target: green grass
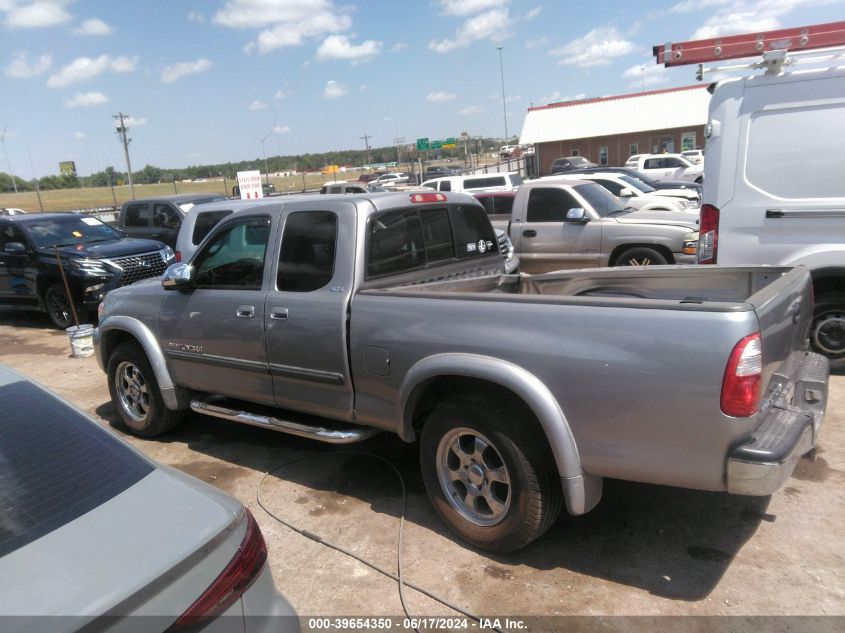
{"x": 90, "y": 197}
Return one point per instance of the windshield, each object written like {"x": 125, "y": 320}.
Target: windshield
{"x": 604, "y": 202}
{"x": 636, "y": 182}
{"x": 68, "y": 231}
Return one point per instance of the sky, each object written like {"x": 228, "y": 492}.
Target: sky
{"x": 214, "y": 81}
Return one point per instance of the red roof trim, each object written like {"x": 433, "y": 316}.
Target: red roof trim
{"x": 634, "y": 95}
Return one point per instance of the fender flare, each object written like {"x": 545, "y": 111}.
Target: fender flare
{"x": 174, "y": 397}
{"x": 582, "y": 490}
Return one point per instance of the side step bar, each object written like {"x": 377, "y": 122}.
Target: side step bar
{"x": 346, "y": 434}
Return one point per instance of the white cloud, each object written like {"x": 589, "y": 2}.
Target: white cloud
{"x": 94, "y": 26}
{"x": 440, "y": 96}
{"x": 398, "y": 46}
{"x": 85, "y": 68}
{"x": 542, "y": 41}
{"x": 279, "y": 95}
{"x": 744, "y": 16}
{"x": 533, "y": 13}
{"x": 472, "y": 110}
{"x": 463, "y": 8}
{"x": 557, "y": 97}
{"x": 492, "y": 25}
{"x": 735, "y": 23}
{"x": 175, "y": 72}
{"x": 87, "y": 100}
{"x": 339, "y": 47}
{"x": 596, "y": 48}
{"x": 34, "y": 15}
{"x": 21, "y": 68}
{"x": 257, "y": 105}
{"x": 691, "y": 6}
{"x": 283, "y": 22}
{"x": 646, "y": 75}
{"x": 131, "y": 121}
{"x": 196, "y": 16}
{"x": 79, "y": 136}
{"x": 281, "y": 129}
{"x": 334, "y": 90}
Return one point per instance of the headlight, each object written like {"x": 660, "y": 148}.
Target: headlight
{"x": 683, "y": 203}
{"x": 90, "y": 266}
{"x": 694, "y": 204}
{"x": 167, "y": 254}
{"x": 690, "y": 243}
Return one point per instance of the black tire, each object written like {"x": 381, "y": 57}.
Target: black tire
{"x": 827, "y": 333}
{"x": 640, "y": 256}
{"x": 57, "y": 304}
{"x": 135, "y": 394}
{"x": 523, "y": 508}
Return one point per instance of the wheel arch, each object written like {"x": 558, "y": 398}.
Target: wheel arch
{"x": 115, "y": 330}
{"x": 660, "y": 248}
{"x": 436, "y": 378}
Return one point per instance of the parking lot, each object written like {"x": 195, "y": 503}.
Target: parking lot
{"x": 645, "y": 550}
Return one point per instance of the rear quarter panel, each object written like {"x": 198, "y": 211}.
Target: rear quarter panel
{"x": 639, "y": 387}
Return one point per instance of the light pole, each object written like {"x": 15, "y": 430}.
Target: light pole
{"x": 504, "y": 107}
{"x": 266, "y": 171}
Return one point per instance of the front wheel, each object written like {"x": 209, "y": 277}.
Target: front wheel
{"x": 640, "y": 256}
{"x": 827, "y": 334}
{"x": 489, "y": 473}
{"x": 135, "y": 394}
{"x": 58, "y": 307}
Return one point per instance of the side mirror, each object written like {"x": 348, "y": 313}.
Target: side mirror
{"x": 577, "y": 215}
{"x": 15, "y": 248}
{"x": 626, "y": 192}
{"x": 178, "y": 277}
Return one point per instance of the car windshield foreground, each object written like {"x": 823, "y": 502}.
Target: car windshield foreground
{"x": 78, "y": 503}
{"x": 68, "y": 231}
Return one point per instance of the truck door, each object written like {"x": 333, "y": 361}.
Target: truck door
{"x": 213, "y": 334}
{"x": 306, "y": 312}
{"x": 17, "y": 269}
{"x": 547, "y": 242}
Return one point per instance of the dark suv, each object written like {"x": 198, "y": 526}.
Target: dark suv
{"x": 570, "y": 163}
{"x": 160, "y": 218}
{"x": 94, "y": 256}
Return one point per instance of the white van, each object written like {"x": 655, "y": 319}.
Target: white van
{"x": 774, "y": 191}
{"x": 504, "y": 181}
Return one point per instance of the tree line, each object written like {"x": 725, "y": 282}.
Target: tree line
{"x": 150, "y": 174}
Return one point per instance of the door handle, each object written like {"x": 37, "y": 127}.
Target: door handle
{"x": 529, "y": 233}
{"x": 245, "y": 312}
{"x": 279, "y": 314}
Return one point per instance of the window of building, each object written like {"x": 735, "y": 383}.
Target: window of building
{"x": 633, "y": 148}
{"x": 603, "y": 155}
{"x": 687, "y": 141}
{"x": 574, "y": 152}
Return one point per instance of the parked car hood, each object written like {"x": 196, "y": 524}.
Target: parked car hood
{"x": 688, "y": 194}
{"x": 111, "y": 248}
{"x": 676, "y": 184}
{"x": 676, "y": 218}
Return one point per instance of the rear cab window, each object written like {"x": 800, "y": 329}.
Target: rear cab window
{"x": 415, "y": 238}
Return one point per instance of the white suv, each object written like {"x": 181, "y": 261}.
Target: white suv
{"x": 633, "y": 192}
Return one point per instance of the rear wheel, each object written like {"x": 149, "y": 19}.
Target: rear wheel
{"x": 135, "y": 393}
{"x": 640, "y": 256}
{"x": 489, "y": 473}
{"x": 827, "y": 334}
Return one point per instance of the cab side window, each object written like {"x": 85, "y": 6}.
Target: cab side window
{"x": 234, "y": 257}
{"x": 549, "y": 205}
{"x": 166, "y": 216}
{"x": 139, "y": 215}
{"x": 10, "y": 233}
{"x": 307, "y": 258}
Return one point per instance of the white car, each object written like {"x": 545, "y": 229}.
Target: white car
{"x": 695, "y": 156}
{"x": 667, "y": 167}
{"x": 633, "y": 192}
{"x": 389, "y": 180}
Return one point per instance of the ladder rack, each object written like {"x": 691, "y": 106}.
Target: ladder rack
{"x": 800, "y": 38}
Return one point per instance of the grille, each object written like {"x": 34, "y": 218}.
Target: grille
{"x": 137, "y": 267}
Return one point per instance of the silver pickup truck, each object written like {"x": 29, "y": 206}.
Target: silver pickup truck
{"x": 336, "y": 317}
{"x": 557, "y": 222}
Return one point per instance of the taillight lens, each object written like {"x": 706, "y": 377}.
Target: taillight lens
{"x": 708, "y": 241}
{"x": 428, "y": 197}
{"x": 233, "y": 581}
{"x": 743, "y": 378}
{"x": 178, "y": 256}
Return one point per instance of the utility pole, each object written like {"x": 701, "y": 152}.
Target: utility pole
{"x": 366, "y": 138}
{"x": 121, "y": 130}
{"x": 266, "y": 170}
{"x": 11, "y": 175}
{"x": 504, "y": 107}
{"x": 35, "y": 177}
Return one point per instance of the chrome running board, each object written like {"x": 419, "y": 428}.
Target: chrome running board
{"x": 340, "y": 434}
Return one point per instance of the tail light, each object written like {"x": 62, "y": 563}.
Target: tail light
{"x": 178, "y": 256}
{"x": 428, "y": 197}
{"x": 230, "y": 585}
{"x": 708, "y": 242}
{"x": 743, "y": 378}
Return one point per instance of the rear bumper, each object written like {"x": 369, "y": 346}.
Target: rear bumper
{"x": 761, "y": 466}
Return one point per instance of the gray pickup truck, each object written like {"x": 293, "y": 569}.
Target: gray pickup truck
{"x": 558, "y": 223}
{"x": 336, "y": 317}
